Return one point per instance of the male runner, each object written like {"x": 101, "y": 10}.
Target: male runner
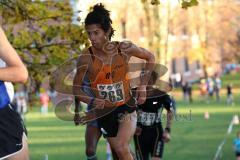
{"x": 105, "y": 63}
{"x": 150, "y": 137}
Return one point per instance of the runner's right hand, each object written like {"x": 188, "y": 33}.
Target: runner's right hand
{"x": 98, "y": 103}
{"x": 76, "y": 119}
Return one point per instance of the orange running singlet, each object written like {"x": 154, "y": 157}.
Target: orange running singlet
{"x": 110, "y": 82}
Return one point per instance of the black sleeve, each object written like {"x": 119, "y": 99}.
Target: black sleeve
{"x": 166, "y": 101}
{"x": 163, "y": 99}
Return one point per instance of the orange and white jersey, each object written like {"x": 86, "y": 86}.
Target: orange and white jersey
{"x": 110, "y": 81}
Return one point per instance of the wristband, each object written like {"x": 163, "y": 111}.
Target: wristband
{"x": 91, "y": 101}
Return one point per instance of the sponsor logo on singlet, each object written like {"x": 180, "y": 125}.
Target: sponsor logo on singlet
{"x": 110, "y": 75}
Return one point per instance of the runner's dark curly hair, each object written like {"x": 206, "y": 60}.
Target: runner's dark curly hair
{"x": 99, "y": 15}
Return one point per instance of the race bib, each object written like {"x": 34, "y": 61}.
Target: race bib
{"x": 146, "y": 118}
{"x": 112, "y": 92}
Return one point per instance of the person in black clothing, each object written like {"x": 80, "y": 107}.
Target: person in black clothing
{"x": 150, "y": 137}
{"x": 189, "y": 92}
{"x": 184, "y": 91}
{"x": 229, "y": 95}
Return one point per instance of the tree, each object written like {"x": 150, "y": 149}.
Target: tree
{"x": 217, "y": 28}
{"x": 43, "y": 34}
{"x": 208, "y": 31}
{"x": 154, "y": 20}
{"x": 184, "y": 3}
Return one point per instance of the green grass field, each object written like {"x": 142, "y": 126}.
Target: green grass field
{"x": 193, "y": 138}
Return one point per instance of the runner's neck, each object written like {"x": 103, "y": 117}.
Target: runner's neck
{"x": 104, "y": 56}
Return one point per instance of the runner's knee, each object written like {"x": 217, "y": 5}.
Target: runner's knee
{"x": 122, "y": 149}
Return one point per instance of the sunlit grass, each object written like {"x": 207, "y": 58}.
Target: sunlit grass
{"x": 192, "y": 138}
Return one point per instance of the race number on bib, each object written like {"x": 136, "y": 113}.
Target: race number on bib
{"x": 112, "y": 92}
{"x": 146, "y": 118}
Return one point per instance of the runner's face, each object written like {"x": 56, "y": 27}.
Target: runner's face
{"x": 96, "y": 35}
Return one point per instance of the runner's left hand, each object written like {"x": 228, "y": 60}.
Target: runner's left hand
{"x": 166, "y": 136}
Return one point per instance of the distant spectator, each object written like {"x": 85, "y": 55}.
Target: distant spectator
{"x": 52, "y": 95}
{"x": 203, "y": 89}
{"x": 184, "y": 91}
{"x": 44, "y": 100}
{"x": 21, "y": 102}
{"x": 189, "y": 92}
{"x": 217, "y": 87}
{"x": 210, "y": 88}
{"x": 229, "y": 95}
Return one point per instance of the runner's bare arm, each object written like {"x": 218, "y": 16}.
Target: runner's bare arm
{"x": 144, "y": 54}
{"x": 170, "y": 115}
{"x": 15, "y": 70}
{"x": 167, "y": 131}
{"x": 82, "y": 67}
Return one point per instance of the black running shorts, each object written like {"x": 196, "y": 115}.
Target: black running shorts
{"x": 109, "y": 123}
{"x": 11, "y": 132}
